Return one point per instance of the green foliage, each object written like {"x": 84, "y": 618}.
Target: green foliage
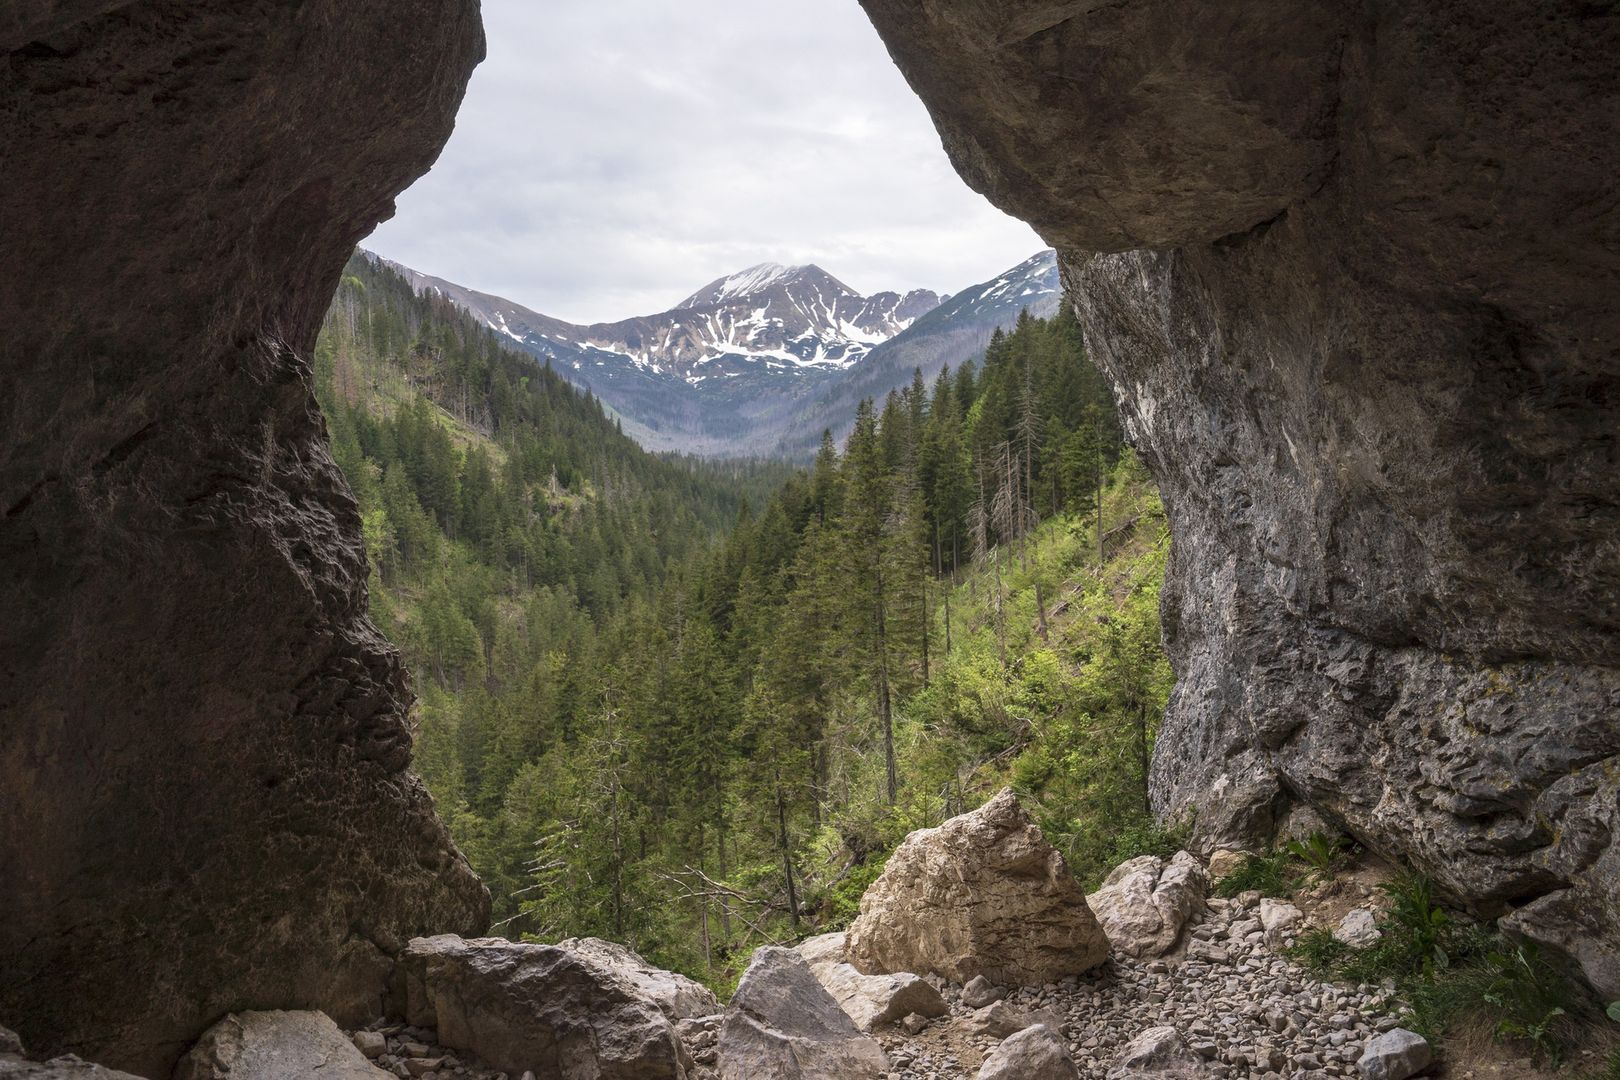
{"x": 1269, "y": 874}
{"x": 1507, "y": 986}
{"x": 1450, "y": 973}
{"x": 1415, "y": 926}
{"x": 694, "y": 705}
{"x": 1613, "y": 1011}
{"x": 1525, "y": 997}
{"x": 1319, "y": 852}
{"x": 1318, "y": 951}
{"x": 842, "y": 900}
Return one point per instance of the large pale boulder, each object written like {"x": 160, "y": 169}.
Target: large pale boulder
{"x": 541, "y": 1008}
{"x": 1036, "y": 1053}
{"x": 783, "y": 1025}
{"x": 982, "y": 894}
{"x": 276, "y": 1046}
{"x": 680, "y": 998}
{"x": 821, "y": 951}
{"x": 1144, "y": 904}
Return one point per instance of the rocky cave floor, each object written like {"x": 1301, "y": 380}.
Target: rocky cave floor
{"x": 1248, "y": 1011}
{"x": 1252, "y": 1014}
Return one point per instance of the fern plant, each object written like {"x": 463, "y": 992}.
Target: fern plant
{"x": 1419, "y": 924}
{"x": 1319, "y": 852}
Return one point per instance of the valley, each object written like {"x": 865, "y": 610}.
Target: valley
{"x": 759, "y": 363}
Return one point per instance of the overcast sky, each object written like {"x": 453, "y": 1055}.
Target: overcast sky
{"x": 613, "y": 157}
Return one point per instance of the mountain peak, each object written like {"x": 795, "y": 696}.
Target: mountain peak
{"x": 763, "y": 278}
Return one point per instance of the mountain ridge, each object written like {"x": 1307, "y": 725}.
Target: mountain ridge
{"x": 752, "y": 361}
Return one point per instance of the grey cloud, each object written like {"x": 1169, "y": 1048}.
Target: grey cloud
{"x": 612, "y": 157}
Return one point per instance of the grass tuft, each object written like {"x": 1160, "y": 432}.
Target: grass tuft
{"x": 1268, "y": 875}
{"x": 1452, "y": 974}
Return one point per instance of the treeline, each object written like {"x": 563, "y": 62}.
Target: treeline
{"x": 678, "y": 704}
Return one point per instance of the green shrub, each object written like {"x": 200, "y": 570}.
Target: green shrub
{"x": 1266, "y": 874}
{"x": 1319, "y": 852}
{"x": 1319, "y": 952}
{"x": 1449, "y": 971}
{"x": 1147, "y": 837}
{"x": 1415, "y": 926}
{"x": 842, "y": 900}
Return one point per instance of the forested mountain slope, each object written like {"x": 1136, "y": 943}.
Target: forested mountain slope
{"x": 657, "y": 712}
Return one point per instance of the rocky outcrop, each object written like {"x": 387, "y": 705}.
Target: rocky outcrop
{"x": 1351, "y": 271}
{"x": 782, "y": 1024}
{"x": 555, "y": 1011}
{"x": 676, "y": 996}
{"x": 275, "y": 1046}
{"x": 1145, "y": 902}
{"x": 868, "y": 1000}
{"x": 982, "y": 894}
{"x": 203, "y": 740}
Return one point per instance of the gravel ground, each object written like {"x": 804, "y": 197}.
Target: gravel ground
{"x": 1250, "y": 1013}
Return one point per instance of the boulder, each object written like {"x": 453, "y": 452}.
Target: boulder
{"x": 871, "y": 1000}
{"x": 1036, "y": 1053}
{"x": 679, "y": 997}
{"x": 1395, "y": 1055}
{"x": 373, "y": 1044}
{"x": 1159, "y": 1052}
{"x": 1144, "y": 904}
{"x": 1358, "y": 928}
{"x": 1002, "y": 1018}
{"x": 783, "y": 1025}
{"x": 1279, "y": 918}
{"x": 980, "y": 992}
{"x": 822, "y": 950}
{"x": 982, "y": 894}
{"x": 275, "y": 1046}
{"x": 9, "y": 1042}
{"x": 1224, "y": 862}
{"x": 539, "y": 1007}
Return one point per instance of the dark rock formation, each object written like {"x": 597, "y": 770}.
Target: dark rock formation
{"x": 204, "y": 801}
{"x": 1352, "y": 269}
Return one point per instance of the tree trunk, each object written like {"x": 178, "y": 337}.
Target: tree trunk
{"x": 787, "y": 858}
{"x": 885, "y": 705}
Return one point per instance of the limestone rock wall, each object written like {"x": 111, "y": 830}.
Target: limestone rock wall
{"x": 1351, "y": 269}
{"x": 204, "y": 796}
